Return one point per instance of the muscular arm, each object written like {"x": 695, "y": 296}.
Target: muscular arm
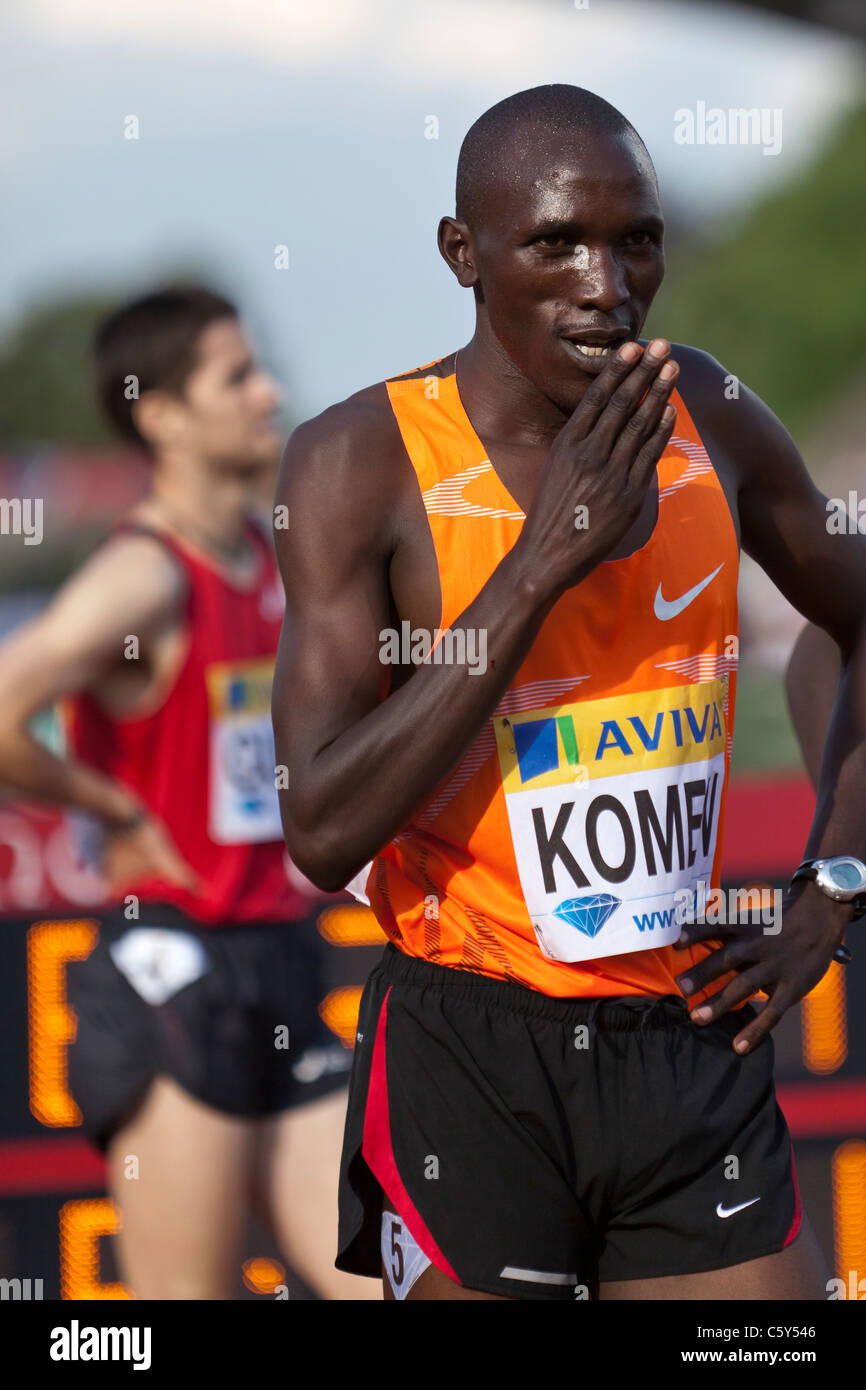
{"x": 783, "y": 520}
{"x": 359, "y": 763}
{"x": 811, "y": 683}
{"x": 784, "y": 526}
{"x": 361, "y": 756}
{"x": 131, "y": 586}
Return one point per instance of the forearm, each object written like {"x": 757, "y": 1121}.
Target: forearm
{"x": 30, "y": 770}
{"x": 839, "y": 826}
{"x": 811, "y": 684}
{"x": 363, "y": 787}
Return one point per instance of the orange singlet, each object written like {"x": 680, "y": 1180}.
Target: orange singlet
{"x": 566, "y": 847}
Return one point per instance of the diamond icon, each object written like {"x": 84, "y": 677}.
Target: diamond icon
{"x": 588, "y": 914}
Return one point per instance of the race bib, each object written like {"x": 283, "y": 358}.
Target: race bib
{"x": 613, "y": 806}
{"x": 243, "y": 803}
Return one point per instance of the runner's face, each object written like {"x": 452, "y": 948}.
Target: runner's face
{"x": 571, "y": 244}
{"x": 229, "y": 404}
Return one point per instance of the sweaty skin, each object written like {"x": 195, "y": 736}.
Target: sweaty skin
{"x": 559, "y": 431}
{"x": 567, "y": 245}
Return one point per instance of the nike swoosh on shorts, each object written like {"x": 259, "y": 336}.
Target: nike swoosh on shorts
{"x": 729, "y": 1211}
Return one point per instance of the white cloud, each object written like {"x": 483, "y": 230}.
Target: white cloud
{"x": 454, "y": 42}
{"x": 302, "y": 121}
{"x": 648, "y": 58}
{"x": 298, "y": 30}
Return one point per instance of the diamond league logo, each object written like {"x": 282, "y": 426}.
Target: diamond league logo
{"x": 588, "y": 914}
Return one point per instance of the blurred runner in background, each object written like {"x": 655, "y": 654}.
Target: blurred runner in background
{"x": 201, "y": 1065}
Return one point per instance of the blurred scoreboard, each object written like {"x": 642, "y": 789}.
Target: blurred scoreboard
{"x": 56, "y": 1221}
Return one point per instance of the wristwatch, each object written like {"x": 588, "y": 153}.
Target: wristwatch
{"x": 842, "y": 878}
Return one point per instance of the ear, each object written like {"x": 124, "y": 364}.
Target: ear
{"x": 156, "y": 418}
{"x": 455, "y": 247}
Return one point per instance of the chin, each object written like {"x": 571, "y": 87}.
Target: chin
{"x": 564, "y": 389}
{"x": 566, "y": 395}
{"x": 249, "y": 466}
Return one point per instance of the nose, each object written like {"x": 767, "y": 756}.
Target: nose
{"x": 269, "y": 392}
{"x": 599, "y": 279}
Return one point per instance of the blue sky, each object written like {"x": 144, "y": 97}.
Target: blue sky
{"x": 291, "y": 122}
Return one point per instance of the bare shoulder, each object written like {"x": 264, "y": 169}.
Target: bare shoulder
{"x": 707, "y": 387}
{"x": 130, "y": 574}
{"x": 732, "y": 417}
{"x": 348, "y": 464}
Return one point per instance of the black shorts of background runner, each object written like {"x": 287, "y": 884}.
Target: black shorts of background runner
{"x": 217, "y": 1035}
{"x": 536, "y": 1146}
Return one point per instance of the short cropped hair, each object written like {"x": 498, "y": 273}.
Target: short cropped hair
{"x": 558, "y": 107}
{"x": 154, "y": 339}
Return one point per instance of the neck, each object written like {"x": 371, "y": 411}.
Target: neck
{"x": 502, "y": 403}
{"x": 209, "y": 508}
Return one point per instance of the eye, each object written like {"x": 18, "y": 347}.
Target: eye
{"x": 640, "y": 239}
{"x": 555, "y": 241}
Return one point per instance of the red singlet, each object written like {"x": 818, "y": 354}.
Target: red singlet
{"x": 203, "y": 761}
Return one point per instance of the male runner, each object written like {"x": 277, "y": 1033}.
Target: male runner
{"x": 534, "y": 1113}
{"x": 199, "y": 1051}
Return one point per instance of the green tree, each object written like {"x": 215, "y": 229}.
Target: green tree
{"x": 46, "y": 392}
{"x": 781, "y": 301}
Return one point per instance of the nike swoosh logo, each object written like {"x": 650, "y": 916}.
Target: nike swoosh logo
{"x": 729, "y": 1211}
{"x": 665, "y": 609}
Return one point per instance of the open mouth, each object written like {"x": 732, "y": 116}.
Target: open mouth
{"x": 596, "y": 351}
{"x": 589, "y": 350}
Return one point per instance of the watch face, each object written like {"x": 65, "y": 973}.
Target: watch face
{"x": 845, "y": 874}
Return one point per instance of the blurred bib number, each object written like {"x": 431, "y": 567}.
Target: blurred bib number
{"x": 243, "y": 803}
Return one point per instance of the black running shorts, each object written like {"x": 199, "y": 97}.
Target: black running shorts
{"x": 535, "y": 1146}
{"x": 231, "y": 1013}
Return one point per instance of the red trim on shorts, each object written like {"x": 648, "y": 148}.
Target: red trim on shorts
{"x": 798, "y": 1206}
{"x": 379, "y": 1155}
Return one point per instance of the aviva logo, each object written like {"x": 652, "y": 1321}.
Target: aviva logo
{"x": 543, "y": 745}
{"x": 624, "y": 733}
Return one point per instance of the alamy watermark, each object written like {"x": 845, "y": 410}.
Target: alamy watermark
{"x": 846, "y": 521}
{"x": 22, "y": 516}
{"x": 77, "y": 1343}
{"x": 23, "y": 1290}
{"x": 737, "y": 126}
{"x": 462, "y": 646}
{"x": 713, "y": 907}
{"x": 854, "y": 1289}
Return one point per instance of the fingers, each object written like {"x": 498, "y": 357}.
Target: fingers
{"x": 738, "y": 991}
{"x": 777, "y": 1005}
{"x": 168, "y": 859}
{"x": 735, "y": 992}
{"x": 693, "y": 932}
{"x": 648, "y": 456}
{"x": 625, "y": 401}
{"x": 183, "y": 874}
{"x": 717, "y": 963}
{"x": 148, "y": 852}
{"x": 599, "y": 392}
{"x": 642, "y": 422}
